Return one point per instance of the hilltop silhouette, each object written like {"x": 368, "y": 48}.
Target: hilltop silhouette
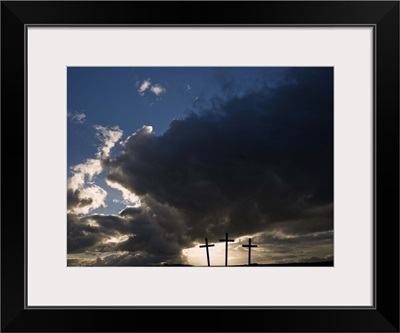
{"x": 293, "y": 264}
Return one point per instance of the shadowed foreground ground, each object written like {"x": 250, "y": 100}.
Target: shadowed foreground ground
{"x": 296, "y": 264}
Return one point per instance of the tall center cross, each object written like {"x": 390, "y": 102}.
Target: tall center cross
{"x": 226, "y": 240}
{"x": 207, "y": 246}
{"x": 249, "y": 246}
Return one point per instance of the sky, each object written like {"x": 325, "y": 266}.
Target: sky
{"x": 160, "y": 158}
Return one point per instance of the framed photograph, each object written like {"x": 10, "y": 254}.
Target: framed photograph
{"x": 235, "y": 164}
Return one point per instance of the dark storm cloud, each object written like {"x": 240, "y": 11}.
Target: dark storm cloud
{"x": 83, "y": 236}
{"x": 152, "y": 235}
{"x": 262, "y": 158}
{"x": 74, "y": 200}
{"x": 274, "y": 238}
{"x": 248, "y": 165}
{"x": 136, "y": 259}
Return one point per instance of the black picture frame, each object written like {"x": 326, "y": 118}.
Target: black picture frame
{"x": 383, "y": 16}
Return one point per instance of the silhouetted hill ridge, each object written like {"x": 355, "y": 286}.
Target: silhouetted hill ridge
{"x": 293, "y": 264}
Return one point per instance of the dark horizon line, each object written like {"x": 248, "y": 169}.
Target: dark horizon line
{"x": 325, "y": 263}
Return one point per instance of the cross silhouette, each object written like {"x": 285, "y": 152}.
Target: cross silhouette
{"x": 207, "y": 246}
{"x": 226, "y": 240}
{"x": 249, "y": 246}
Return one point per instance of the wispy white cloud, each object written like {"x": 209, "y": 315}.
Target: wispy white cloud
{"x": 92, "y": 196}
{"x": 108, "y": 136}
{"x": 158, "y": 89}
{"x": 83, "y": 194}
{"x": 83, "y": 173}
{"x": 144, "y": 86}
{"x": 129, "y": 197}
{"x": 77, "y": 117}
